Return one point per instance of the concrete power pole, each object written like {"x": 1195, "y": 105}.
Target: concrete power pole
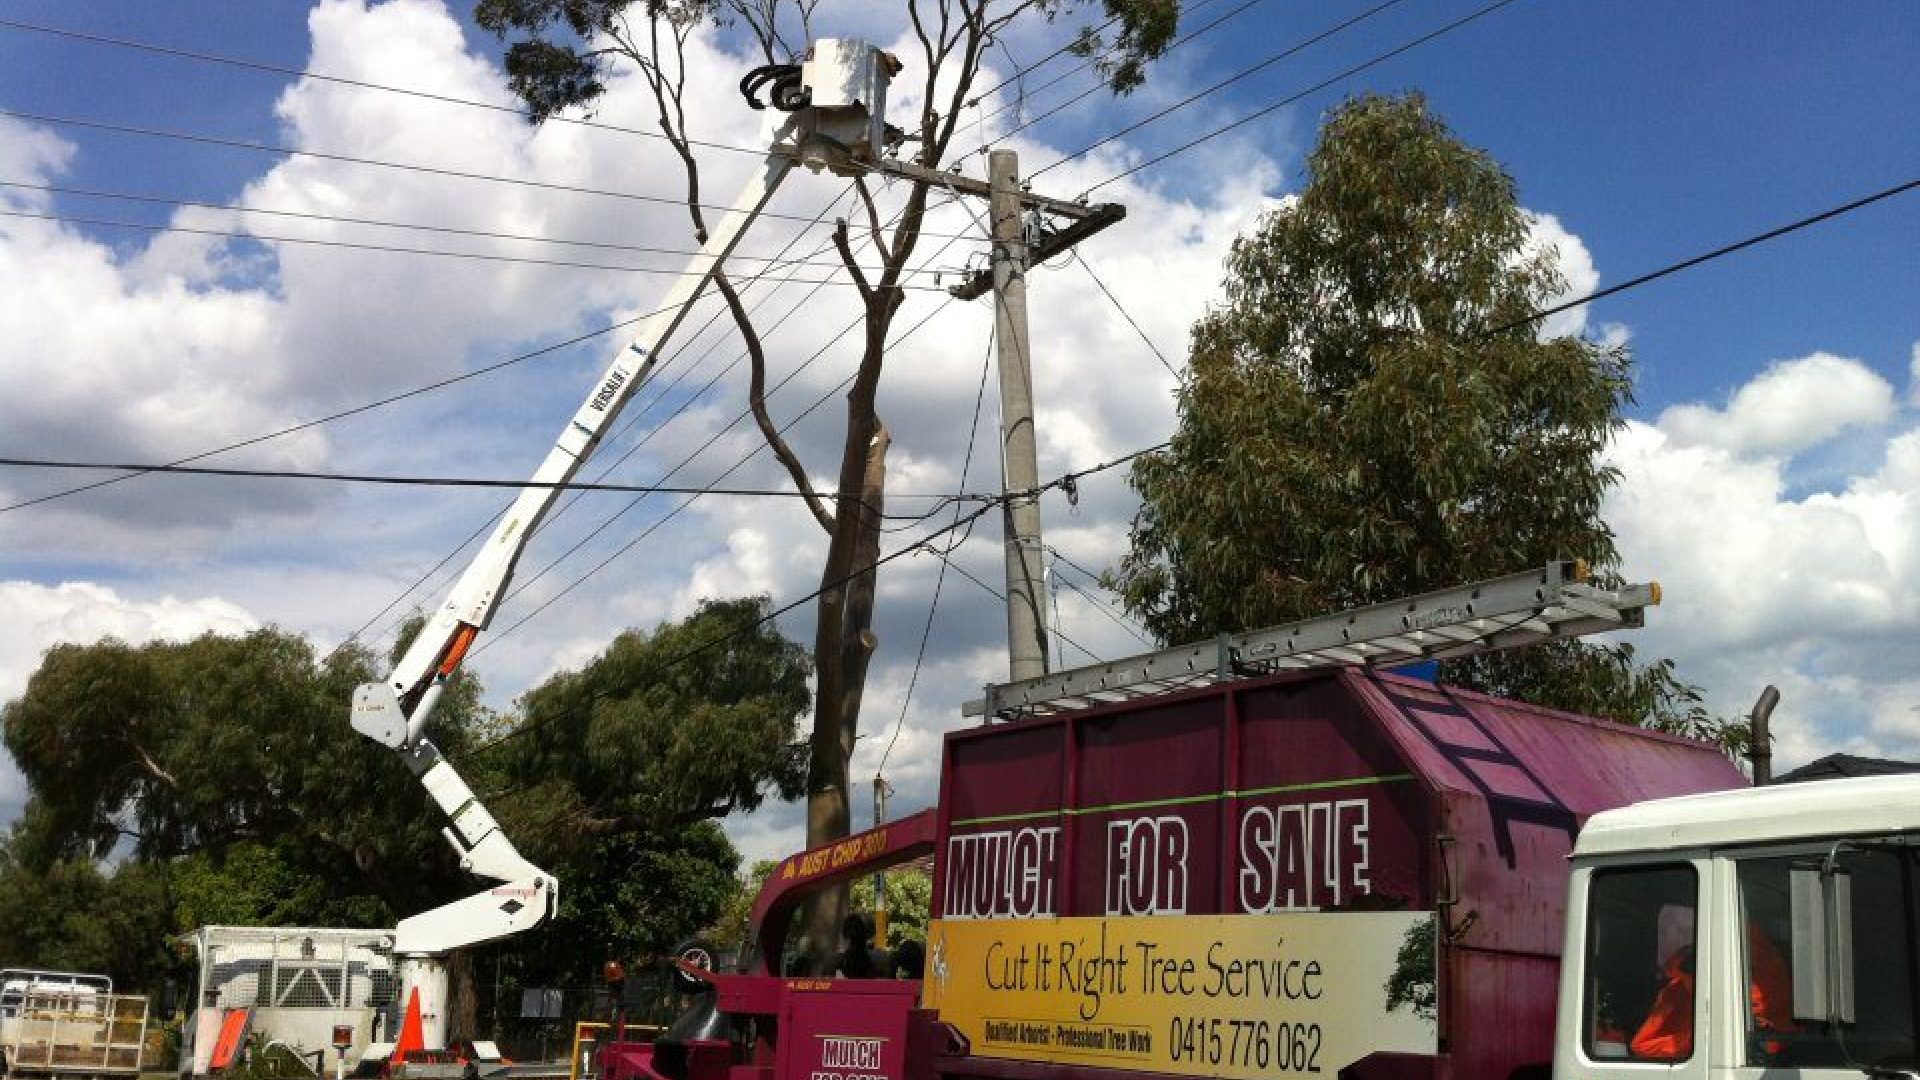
{"x": 1026, "y": 611}
{"x": 1006, "y": 278}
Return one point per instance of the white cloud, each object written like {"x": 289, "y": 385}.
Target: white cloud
{"x": 1819, "y": 591}
{"x": 1546, "y": 234}
{"x": 1793, "y": 405}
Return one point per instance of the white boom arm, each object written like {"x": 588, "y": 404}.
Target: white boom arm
{"x": 833, "y": 117}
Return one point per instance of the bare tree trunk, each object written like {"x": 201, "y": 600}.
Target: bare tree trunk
{"x": 844, "y": 641}
{"x": 463, "y": 996}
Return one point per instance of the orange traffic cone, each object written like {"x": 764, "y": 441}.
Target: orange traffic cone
{"x": 413, "y": 1033}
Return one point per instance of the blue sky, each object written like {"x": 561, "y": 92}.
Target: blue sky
{"x": 1652, "y": 130}
{"x": 1779, "y": 378}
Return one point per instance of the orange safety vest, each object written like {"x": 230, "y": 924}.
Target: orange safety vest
{"x": 1667, "y": 1032}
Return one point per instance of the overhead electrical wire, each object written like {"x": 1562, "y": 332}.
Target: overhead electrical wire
{"x": 392, "y": 480}
{"x": 413, "y": 167}
{"x": 706, "y": 646}
{"x": 1101, "y": 84}
{"x": 1021, "y": 72}
{"x": 1065, "y": 480}
{"x": 685, "y": 370}
{"x": 302, "y": 73}
{"x": 946, "y": 558}
{"x": 738, "y": 464}
{"x": 654, "y": 526}
{"x": 350, "y": 159}
{"x": 1371, "y": 62}
{"x": 1095, "y": 602}
{"x": 475, "y": 256}
{"x": 719, "y": 433}
{"x": 1716, "y": 253}
{"x": 630, "y": 421}
{"x": 448, "y": 99}
{"x": 342, "y": 414}
{"x": 392, "y": 398}
{"x": 305, "y": 215}
{"x": 940, "y": 578}
{"x": 1128, "y": 315}
{"x": 1243, "y": 73}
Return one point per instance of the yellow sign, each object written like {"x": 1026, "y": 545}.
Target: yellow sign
{"x": 1296, "y": 994}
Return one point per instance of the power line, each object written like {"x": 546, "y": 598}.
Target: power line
{"x": 1728, "y": 249}
{"x": 634, "y": 419}
{"x": 1260, "y": 66}
{"x": 629, "y": 546}
{"x": 684, "y": 462}
{"x": 434, "y": 481}
{"x": 715, "y": 437}
{"x": 322, "y": 155}
{"x": 736, "y": 465}
{"x": 946, "y": 558}
{"x": 268, "y": 238}
{"x": 1098, "y": 85}
{"x": 1064, "y": 481}
{"x": 1127, "y": 315}
{"x": 429, "y": 170}
{"x": 526, "y": 729}
{"x": 277, "y": 69}
{"x": 354, "y": 411}
{"x": 385, "y": 401}
{"x": 304, "y": 215}
{"x": 1095, "y": 602}
{"x": 1021, "y": 72}
{"x": 1356, "y": 69}
{"x": 940, "y": 579}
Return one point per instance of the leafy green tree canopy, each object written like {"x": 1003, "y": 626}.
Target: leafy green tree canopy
{"x": 171, "y": 748}
{"x": 1369, "y": 415}
{"x": 216, "y": 781}
{"x": 692, "y": 721}
{"x": 561, "y": 52}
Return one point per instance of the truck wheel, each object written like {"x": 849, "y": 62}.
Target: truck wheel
{"x": 697, "y": 953}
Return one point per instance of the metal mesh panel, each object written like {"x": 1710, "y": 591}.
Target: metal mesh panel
{"x": 295, "y": 968}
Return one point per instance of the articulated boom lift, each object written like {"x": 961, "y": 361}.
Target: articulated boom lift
{"x": 830, "y": 114}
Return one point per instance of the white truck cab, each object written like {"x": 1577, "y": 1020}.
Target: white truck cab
{"x": 1761, "y": 933}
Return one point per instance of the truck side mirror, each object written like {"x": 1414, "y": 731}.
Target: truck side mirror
{"x": 1822, "y": 905}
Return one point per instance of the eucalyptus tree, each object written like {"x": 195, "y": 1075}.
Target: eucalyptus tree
{"x": 1372, "y": 413}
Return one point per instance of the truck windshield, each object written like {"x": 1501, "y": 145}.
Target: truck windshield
{"x": 1883, "y": 881}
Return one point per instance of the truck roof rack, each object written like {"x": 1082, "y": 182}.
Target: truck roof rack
{"x": 1500, "y": 613}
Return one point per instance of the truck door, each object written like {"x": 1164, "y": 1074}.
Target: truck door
{"x": 1639, "y": 1002}
{"x": 1779, "y": 1036}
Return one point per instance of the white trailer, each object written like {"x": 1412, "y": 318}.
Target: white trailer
{"x": 296, "y": 984}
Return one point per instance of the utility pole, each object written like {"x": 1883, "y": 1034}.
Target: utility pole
{"x": 1006, "y": 278}
{"x": 881, "y": 789}
{"x": 1026, "y": 613}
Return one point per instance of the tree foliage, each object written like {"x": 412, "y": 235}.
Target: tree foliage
{"x": 216, "y": 781}
{"x": 1370, "y": 415}
{"x": 909, "y": 903}
{"x": 692, "y": 721}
